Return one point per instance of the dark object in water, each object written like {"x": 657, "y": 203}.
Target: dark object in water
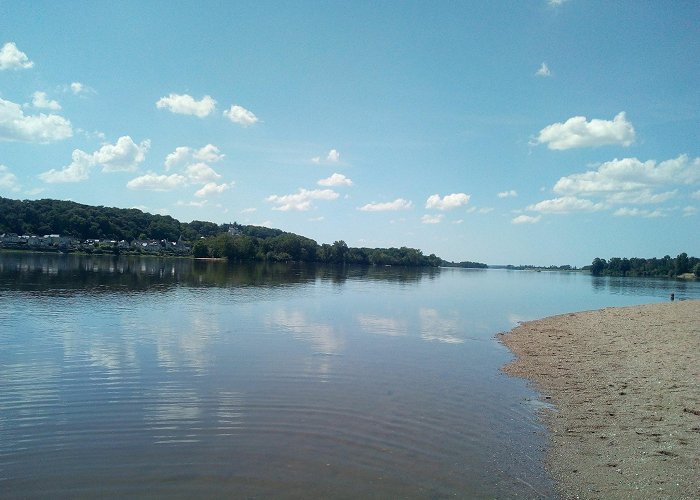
{"x": 673, "y": 296}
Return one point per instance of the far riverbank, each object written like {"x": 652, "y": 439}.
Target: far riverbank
{"x": 624, "y": 385}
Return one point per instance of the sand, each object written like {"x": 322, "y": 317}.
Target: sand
{"x": 625, "y": 388}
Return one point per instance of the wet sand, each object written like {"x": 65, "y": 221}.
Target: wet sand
{"x": 625, "y": 388}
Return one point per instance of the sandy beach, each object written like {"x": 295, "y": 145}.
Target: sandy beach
{"x": 625, "y": 388}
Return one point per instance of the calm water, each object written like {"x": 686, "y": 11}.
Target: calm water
{"x": 148, "y": 377}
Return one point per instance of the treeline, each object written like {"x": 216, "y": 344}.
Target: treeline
{"x": 233, "y": 241}
{"x": 665, "y": 266}
{"x": 465, "y": 264}
{"x": 291, "y": 247}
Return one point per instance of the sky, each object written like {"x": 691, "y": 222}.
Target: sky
{"x": 542, "y": 132}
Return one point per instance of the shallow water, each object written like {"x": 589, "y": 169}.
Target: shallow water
{"x": 150, "y": 377}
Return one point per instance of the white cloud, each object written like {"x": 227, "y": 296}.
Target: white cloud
{"x": 240, "y": 115}
{"x": 480, "y": 210}
{"x": 565, "y": 205}
{"x": 185, "y": 104}
{"x": 335, "y": 180}
{"x": 689, "y": 211}
{"x": 249, "y": 210}
{"x": 696, "y": 195}
{"x": 123, "y": 156}
{"x": 185, "y": 156}
{"x": 78, "y": 170}
{"x": 333, "y": 156}
{"x": 448, "y": 202}
{"x": 154, "y": 182}
{"x": 13, "y": 58}
{"x": 638, "y": 212}
{"x": 543, "y": 70}
{"x": 631, "y": 174}
{"x": 195, "y": 204}
{"x": 316, "y": 159}
{"x": 576, "y": 132}
{"x": 642, "y": 197}
{"x": 212, "y": 188}
{"x": 40, "y": 100}
{"x": 432, "y": 219}
{"x": 389, "y": 206}
{"x": 556, "y": 3}
{"x": 526, "y": 219}
{"x": 201, "y": 173}
{"x": 8, "y": 180}
{"x": 508, "y": 194}
{"x": 16, "y": 126}
{"x": 460, "y": 221}
{"x": 301, "y": 201}
{"x": 78, "y": 88}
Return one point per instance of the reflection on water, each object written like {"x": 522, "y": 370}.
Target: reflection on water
{"x": 154, "y": 377}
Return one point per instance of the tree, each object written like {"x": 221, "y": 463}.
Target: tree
{"x": 598, "y": 266}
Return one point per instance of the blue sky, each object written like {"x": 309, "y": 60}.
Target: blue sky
{"x": 541, "y": 132}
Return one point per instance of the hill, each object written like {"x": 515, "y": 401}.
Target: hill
{"x": 233, "y": 241}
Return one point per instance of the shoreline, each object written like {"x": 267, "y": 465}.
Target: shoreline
{"x": 625, "y": 388}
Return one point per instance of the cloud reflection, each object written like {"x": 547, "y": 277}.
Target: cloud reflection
{"x": 323, "y": 339}
{"x": 379, "y": 325}
{"x": 438, "y": 329}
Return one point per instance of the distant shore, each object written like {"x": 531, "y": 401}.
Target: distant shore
{"x": 625, "y": 385}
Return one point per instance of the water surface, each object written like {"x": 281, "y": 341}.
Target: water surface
{"x": 152, "y": 377}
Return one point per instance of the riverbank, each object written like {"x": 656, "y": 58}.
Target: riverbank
{"x": 625, "y": 385}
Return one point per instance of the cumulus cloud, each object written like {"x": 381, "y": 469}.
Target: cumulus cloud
{"x": 301, "y": 201}
{"x": 335, "y": 180}
{"x": 41, "y": 100}
{"x": 432, "y": 219}
{"x": 689, "y": 211}
{"x": 78, "y": 170}
{"x": 185, "y": 104}
{"x": 195, "y": 204}
{"x": 213, "y": 188}
{"x": 201, "y": 173}
{"x": 123, "y": 156}
{"x": 184, "y": 155}
{"x": 8, "y": 180}
{"x": 155, "y": 182}
{"x": 249, "y": 210}
{"x": 630, "y": 174}
{"x": 480, "y": 210}
{"x": 333, "y": 156}
{"x": 389, "y": 206}
{"x": 238, "y": 114}
{"x": 576, "y": 132}
{"x": 508, "y": 194}
{"x": 543, "y": 70}
{"x": 448, "y": 202}
{"x": 696, "y": 195}
{"x": 623, "y": 182}
{"x": 565, "y": 205}
{"x": 77, "y": 88}
{"x": 643, "y": 197}
{"x": 42, "y": 128}
{"x": 526, "y": 219}
{"x": 639, "y": 212}
{"x": 13, "y": 58}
